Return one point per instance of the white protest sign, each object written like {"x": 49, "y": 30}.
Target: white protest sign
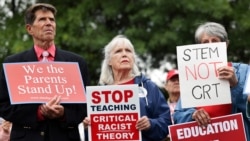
{"x": 247, "y": 83}
{"x": 199, "y": 82}
{"x": 113, "y": 111}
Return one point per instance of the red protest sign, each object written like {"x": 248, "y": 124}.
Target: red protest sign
{"x": 113, "y": 111}
{"x": 224, "y": 128}
{"x": 118, "y": 127}
{"x": 36, "y": 82}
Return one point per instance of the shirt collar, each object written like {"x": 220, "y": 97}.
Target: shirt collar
{"x": 39, "y": 51}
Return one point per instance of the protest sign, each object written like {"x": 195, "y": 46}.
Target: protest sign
{"x": 113, "y": 111}
{"x": 247, "y": 83}
{"x": 37, "y": 82}
{"x": 224, "y": 128}
{"x": 198, "y": 76}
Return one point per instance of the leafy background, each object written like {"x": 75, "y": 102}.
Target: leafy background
{"x": 155, "y": 27}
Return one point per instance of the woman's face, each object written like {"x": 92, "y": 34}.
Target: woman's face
{"x": 205, "y": 38}
{"x": 121, "y": 58}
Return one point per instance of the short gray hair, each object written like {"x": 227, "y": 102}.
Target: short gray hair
{"x": 106, "y": 76}
{"x": 212, "y": 29}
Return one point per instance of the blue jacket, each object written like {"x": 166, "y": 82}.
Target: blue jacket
{"x": 239, "y": 99}
{"x": 155, "y": 107}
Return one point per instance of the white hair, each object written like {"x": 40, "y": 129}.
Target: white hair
{"x": 106, "y": 76}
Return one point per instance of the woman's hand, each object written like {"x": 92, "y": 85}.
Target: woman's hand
{"x": 227, "y": 73}
{"x": 143, "y": 123}
{"x": 202, "y": 117}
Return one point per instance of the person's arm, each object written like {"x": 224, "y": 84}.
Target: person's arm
{"x": 239, "y": 99}
{"x": 227, "y": 73}
{"x": 13, "y": 113}
{"x": 182, "y": 115}
{"x": 75, "y": 113}
{"x": 199, "y": 115}
{"x": 158, "y": 113}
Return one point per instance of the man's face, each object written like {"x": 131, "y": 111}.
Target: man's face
{"x": 43, "y": 27}
{"x": 172, "y": 85}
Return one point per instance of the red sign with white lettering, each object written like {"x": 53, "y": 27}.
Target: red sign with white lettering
{"x": 224, "y": 128}
{"x": 117, "y": 127}
{"x": 38, "y": 82}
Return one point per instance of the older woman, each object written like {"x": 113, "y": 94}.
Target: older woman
{"x": 235, "y": 73}
{"x": 119, "y": 68}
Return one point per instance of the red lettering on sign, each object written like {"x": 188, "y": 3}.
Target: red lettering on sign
{"x": 117, "y": 96}
{"x": 202, "y": 70}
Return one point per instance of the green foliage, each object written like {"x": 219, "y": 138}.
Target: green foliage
{"x": 155, "y": 27}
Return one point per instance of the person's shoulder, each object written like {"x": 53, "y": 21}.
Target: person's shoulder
{"x": 144, "y": 80}
{"x": 63, "y": 51}
{"x": 141, "y": 78}
{"x": 18, "y": 56}
{"x": 68, "y": 53}
{"x": 240, "y": 66}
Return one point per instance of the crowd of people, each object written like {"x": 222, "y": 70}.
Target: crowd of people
{"x": 59, "y": 121}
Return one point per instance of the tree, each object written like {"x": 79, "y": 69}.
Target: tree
{"x": 155, "y": 27}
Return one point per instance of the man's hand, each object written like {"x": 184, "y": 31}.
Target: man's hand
{"x": 53, "y": 109}
{"x": 6, "y": 125}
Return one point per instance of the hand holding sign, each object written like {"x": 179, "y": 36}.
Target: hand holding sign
{"x": 39, "y": 82}
{"x": 86, "y": 122}
{"x": 202, "y": 74}
{"x": 224, "y": 128}
{"x": 227, "y": 72}
{"x": 202, "y": 117}
{"x": 143, "y": 123}
{"x": 53, "y": 109}
{"x": 113, "y": 112}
